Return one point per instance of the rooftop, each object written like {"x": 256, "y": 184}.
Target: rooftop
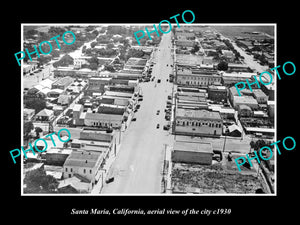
{"x": 83, "y": 159}
{"x": 193, "y": 147}
{"x": 202, "y": 114}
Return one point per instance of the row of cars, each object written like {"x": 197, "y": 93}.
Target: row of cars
{"x": 168, "y": 112}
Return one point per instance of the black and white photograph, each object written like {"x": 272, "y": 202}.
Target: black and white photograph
{"x": 144, "y": 111}
{"x": 159, "y": 112}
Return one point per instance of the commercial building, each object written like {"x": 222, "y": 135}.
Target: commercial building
{"x": 96, "y": 85}
{"x": 62, "y": 83}
{"x": 192, "y": 152}
{"x": 245, "y": 100}
{"x": 260, "y": 96}
{"x": 217, "y": 93}
{"x": 198, "y": 122}
{"x": 103, "y": 120}
{"x": 86, "y": 164}
{"x": 197, "y": 78}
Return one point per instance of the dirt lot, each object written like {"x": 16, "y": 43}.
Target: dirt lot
{"x": 214, "y": 179}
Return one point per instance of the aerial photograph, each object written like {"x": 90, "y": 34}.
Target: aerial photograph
{"x": 110, "y": 109}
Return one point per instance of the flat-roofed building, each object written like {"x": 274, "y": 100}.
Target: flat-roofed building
{"x": 192, "y": 152}
{"x": 103, "y": 120}
{"x": 217, "y": 93}
{"x": 260, "y": 96}
{"x": 198, "y": 122}
{"x": 245, "y": 100}
{"x": 62, "y": 83}
{"x": 197, "y": 78}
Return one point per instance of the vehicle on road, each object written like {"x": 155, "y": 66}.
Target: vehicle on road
{"x": 166, "y": 127}
{"x": 109, "y": 180}
{"x": 157, "y": 126}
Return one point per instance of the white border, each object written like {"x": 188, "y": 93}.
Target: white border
{"x": 142, "y": 24}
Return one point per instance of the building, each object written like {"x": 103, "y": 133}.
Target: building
{"x": 45, "y": 115}
{"x": 217, "y": 93}
{"x": 271, "y": 108}
{"x": 198, "y": 122}
{"x": 245, "y": 100}
{"x": 234, "y": 130}
{"x": 229, "y": 55}
{"x": 103, "y": 120}
{"x": 245, "y": 111}
{"x": 62, "y": 83}
{"x": 197, "y": 78}
{"x": 86, "y": 164}
{"x": 57, "y": 156}
{"x": 67, "y": 71}
{"x": 260, "y": 96}
{"x": 192, "y": 152}
{"x": 96, "y": 85}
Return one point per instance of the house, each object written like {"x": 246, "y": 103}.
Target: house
{"x": 74, "y": 184}
{"x": 64, "y": 99}
{"x": 235, "y": 130}
{"x": 198, "y": 122}
{"x": 192, "y": 152}
{"x": 229, "y": 55}
{"x": 86, "y": 164}
{"x": 45, "y": 115}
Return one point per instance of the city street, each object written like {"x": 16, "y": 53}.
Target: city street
{"x": 137, "y": 168}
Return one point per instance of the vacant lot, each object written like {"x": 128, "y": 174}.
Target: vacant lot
{"x": 212, "y": 179}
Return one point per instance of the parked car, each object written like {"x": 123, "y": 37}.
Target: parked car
{"x": 158, "y": 80}
{"x": 133, "y": 119}
{"x": 166, "y": 127}
{"x": 157, "y": 113}
{"x": 109, "y": 180}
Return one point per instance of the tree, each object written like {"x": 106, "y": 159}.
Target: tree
{"x": 93, "y": 44}
{"x": 38, "y": 130}
{"x": 222, "y": 66}
{"x": 37, "y": 181}
{"x": 55, "y": 53}
{"x": 66, "y": 60}
{"x": 109, "y": 68}
{"x": 28, "y": 126}
{"x": 38, "y": 104}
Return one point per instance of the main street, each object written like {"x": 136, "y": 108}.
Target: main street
{"x": 138, "y": 165}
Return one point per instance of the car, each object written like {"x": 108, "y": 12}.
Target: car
{"x": 109, "y": 180}
{"x": 133, "y": 119}
{"x": 157, "y": 126}
{"x": 166, "y": 127}
{"x": 158, "y": 81}
{"x": 169, "y": 97}
{"x": 157, "y": 112}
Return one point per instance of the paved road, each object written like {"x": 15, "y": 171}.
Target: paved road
{"x": 248, "y": 59}
{"x": 137, "y": 168}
